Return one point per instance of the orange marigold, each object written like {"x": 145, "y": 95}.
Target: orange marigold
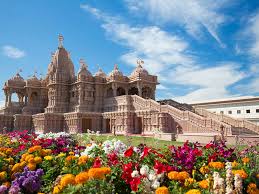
{"x": 241, "y": 172}
{"x": 34, "y": 149}
{"x": 82, "y": 160}
{"x": 81, "y": 178}
{"x": 68, "y": 179}
{"x": 3, "y": 175}
{"x": 97, "y": 173}
{"x": 189, "y": 182}
{"x": 217, "y": 165}
{"x": 252, "y": 189}
{"x": 245, "y": 160}
{"x": 204, "y": 184}
{"x": 235, "y": 164}
{"x": 31, "y": 166}
{"x": 162, "y": 190}
{"x": 173, "y": 175}
{"x": 38, "y": 160}
{"x": 183, "y": 175}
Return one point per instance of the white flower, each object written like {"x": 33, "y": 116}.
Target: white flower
{"x": 144, "y": 170}
{"x": 135, "y": 173}
{"x": 137, "y": 150}
{"x": 88, "y": 151}
{"x": 152, "y": 175}
{"x": 155, "y": 184}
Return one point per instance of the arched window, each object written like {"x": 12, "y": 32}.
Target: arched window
{"x": 120, "y": 91}
{"x": 146, "y": 92}
{"x": 109, "y": 92}
{"x": 133, "y": 91}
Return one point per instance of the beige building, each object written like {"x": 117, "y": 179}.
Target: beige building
{"x": 114, "y": 103}
{"x": 246, "y": 107}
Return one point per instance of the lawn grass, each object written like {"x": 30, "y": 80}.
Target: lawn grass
{"x": 128, "y": 140}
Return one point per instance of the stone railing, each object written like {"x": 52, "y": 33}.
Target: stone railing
{"x": 240, "y": 123}
{"x": 193, "y": 120}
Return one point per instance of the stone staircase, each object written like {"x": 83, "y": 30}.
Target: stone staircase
{"x": 192, "y": 122}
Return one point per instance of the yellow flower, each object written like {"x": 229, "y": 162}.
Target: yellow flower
{"x": 216, "y": 165}
{"x": 48, "y": 158}
{"x": 204, "y": 170}
{"x": 162, "y": 190}
{"x": 28, "y": 157}
{"x": 45, "y": 152}
{"x": 173, "y": 175}
{"x": 241, "y": 172}
{"x": 61, "y": 154}
{"x": 57, "y": 189}
{"x": 81, "y": 178}
{"x": 82, "y": 160}
{"x": 31, "y": 160}
{"x": 252, "y": 189}
{"x": 71, "y": 153}
{"x": 3, "y": 175}
{"x": 193, "y": 191}
{"x": 183, "y": 175}
{"x": 204, "y": 184}
{"x": 7, "y": 184}
{"x": 38, "y": 160}
{"x": 16, "y": 167}
{"x": 68, "y": 179}
{"x": 234, "y": 164}
{"x": 31, "y": 166}
{"x": 245, "y": 160}
{"x": 189, "y": 181}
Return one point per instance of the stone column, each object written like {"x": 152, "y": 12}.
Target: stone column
{"x": 9, "y": 99}
{"x": 6, "y": 99}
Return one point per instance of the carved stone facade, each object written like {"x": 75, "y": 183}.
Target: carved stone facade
{"x": 114, "y": 103}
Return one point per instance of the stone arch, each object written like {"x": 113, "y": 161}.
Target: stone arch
{"x": 146, "y": 92}
{"x": 120, "y": 91}
{"x": 133, "y": 91}
{"x": 109, "y": 92}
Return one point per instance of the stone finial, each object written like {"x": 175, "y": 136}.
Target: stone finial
{"x": 60, "y": 41}
{"x": 140, "y": 62}
{"x": 82, "y": 63}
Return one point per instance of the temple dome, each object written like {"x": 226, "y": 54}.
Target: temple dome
{"x": 17, "y": 78}
{"x": 100, "y": 73}
{"x": 139, "y": 70}
{"x": 116, "y": 72}
{"x": 83, "y": 71}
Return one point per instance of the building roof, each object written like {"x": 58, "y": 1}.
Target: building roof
{"x": 228, "y": 100}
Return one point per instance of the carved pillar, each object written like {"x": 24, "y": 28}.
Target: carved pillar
{"x": 114, "y": 89}
{"x": 6, "y": 99}
{"x": 9, "y": 99}
{"x": 162, "y": 120}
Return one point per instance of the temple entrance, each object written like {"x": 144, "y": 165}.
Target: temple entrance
{"x": 86, "y": 124}
{"x": 108, "y": 125}
{"x": 138, "y": 125}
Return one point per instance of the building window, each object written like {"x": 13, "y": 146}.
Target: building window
{"x": 238, "y": 111}
{"x": 257, "y": 110}
{"x": 248, "y": 111}
{"x": 222, "y": 112}
{"x": 230, "y": 112}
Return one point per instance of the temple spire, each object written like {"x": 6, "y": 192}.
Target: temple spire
{"x": 140, "y": 62}
{"x": 60, "y": 41}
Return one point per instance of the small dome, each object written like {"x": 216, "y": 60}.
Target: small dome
{"x": 83, "y": 71}
{"x": 17, "y": 77}
{"x": 116, "y": 72}
{"x": 33, "y": 79}
{"x": 100, "y": 73}
{"x": 139, "y": 70}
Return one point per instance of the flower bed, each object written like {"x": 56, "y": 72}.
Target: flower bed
{"x": 57, "y": 163}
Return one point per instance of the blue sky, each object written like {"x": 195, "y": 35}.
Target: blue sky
{"x": 200, "y": 49}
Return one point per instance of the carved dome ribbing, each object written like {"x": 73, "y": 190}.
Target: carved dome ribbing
{"x": 139, "y": 71}
{"x": 100, "y": 73}
{"x": 116, "y": 72}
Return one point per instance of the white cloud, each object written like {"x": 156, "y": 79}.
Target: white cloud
{"x": 253, "y": 31}
{"x": 12, "y": 52}
{"x": 168, "y": 56}
{"x": 193, "y": 15}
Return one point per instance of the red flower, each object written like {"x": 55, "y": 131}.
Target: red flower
{"x": 113, "y": 159}
{"x": 128, "y": 152}
{"x": 134, "y": 183}
{"x": 145, "y": 152}
{"x": 97, "y": 163}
